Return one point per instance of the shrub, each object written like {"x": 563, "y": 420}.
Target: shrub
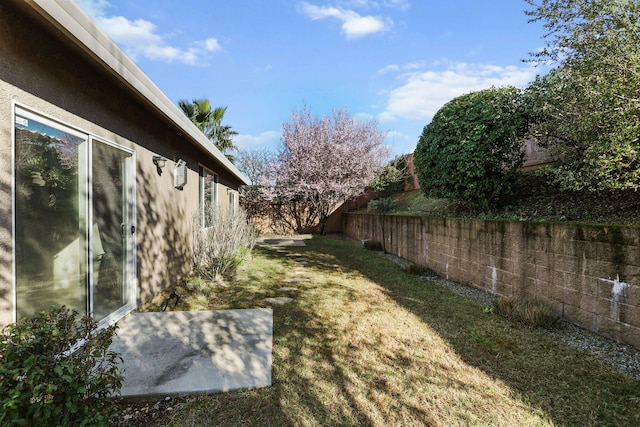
{"x": 529, "y": 312}
{"x": 372, "y": 245}
{"x": 197, "y": 285}
{"x": 57, "y": 370}
{"x": 382, "y": 206}
{"x": 419, "y": 270}
{"x": 472, "y": 149}
{"x": 392, "y": 178}
{"x": 220, "y": 248}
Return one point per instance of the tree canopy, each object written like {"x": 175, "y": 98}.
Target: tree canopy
{"x": 209, "y": 121}
{"x": 324, "y": 160}
{"x": 254, "y": 163}
{"x": 587, "y": 110}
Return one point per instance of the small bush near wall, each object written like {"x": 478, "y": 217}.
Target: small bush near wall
{"x": 56, "y": 370}
{"x": 372, "y": 245}
{"x": 419, "y": 270}
{"x": 197, "y": 286}
{"x": 221, "y": 246}
{"x": 532, "y": 313}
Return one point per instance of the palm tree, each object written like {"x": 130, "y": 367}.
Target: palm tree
{"x": 210, "y": 123}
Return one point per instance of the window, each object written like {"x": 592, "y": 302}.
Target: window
{"x": 208, "y": 193}
{"x": 232, "y": 203}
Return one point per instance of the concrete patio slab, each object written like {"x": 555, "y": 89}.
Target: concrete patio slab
{"x": 183, "y": 352}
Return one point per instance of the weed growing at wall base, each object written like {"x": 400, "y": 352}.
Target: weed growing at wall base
{"x": 529, "y": 312}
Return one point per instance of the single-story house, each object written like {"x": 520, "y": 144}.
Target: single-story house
{"x": 101, "y": 175}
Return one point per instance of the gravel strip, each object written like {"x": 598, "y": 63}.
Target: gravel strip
{"x": 623, "y": 357}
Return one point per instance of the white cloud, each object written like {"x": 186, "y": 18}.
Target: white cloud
{"x": 387, "y": 116}
{"x": 423, "y": 92}
{"x": 391, "y": 68}
{"x": 212, "y": 45}
{"x": 358, "y": 4}
{"x": 364, "y": 117}
{"x": 354, "y": 25}
{"x": 369, "y": 4}
{"x": 130, "y": 33}
{"x": 94, "y": 8}
{"x": 268, "y": 139}
{"x": 141, "y": 37}
{"x": 388, "y": 69}
{"x": 399, "y": 4}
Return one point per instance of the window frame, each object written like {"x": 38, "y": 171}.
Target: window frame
{"x": 203, "y": 172}
{"x": 233, "y": 202}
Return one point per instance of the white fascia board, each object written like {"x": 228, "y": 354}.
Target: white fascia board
{"x": 69, "y": 17}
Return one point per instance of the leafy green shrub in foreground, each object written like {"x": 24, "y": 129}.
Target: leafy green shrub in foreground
{"x": 57, "y": 370}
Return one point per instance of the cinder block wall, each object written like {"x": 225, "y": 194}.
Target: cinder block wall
{"x": 590, "y": 274}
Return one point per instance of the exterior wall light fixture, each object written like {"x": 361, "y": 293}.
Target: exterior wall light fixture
{"x": 160, "y": 162}
{"x": 180, "y": 175}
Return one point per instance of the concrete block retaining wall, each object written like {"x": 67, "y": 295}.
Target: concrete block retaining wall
{"x": 590, "y": 274}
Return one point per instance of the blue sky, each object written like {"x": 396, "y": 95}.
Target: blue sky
{"x": 395, "y": 61}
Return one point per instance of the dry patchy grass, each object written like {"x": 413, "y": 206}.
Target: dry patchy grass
{"x": 365, "y": 343}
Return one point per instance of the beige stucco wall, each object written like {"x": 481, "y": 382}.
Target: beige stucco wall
{"x": 39, "y": 71}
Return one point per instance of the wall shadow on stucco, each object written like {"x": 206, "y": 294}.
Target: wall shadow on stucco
{"x": 6, "y": 262}
{"x": 163, "y": 236}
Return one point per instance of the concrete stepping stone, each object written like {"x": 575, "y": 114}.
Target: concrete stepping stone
{"x": 279, "y": 242}
{"x": 296, "y": 280}
{"x": 287, "y": 289}
{"x": 278, "y": 300}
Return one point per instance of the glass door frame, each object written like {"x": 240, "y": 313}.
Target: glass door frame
{"x": 131, "y": 284}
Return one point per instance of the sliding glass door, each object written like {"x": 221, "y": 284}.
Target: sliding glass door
{"x": 112, "y": 229}
{"x": 74, "y": 215}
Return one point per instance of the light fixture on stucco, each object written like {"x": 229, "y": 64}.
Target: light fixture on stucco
{"x": 180, "y": 174}
{"x": 160, "y": 162}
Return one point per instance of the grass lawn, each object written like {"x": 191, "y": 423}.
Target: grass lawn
{"x": 365, "y": 343}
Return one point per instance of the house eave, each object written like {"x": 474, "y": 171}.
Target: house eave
{"x": 84, "y": 33}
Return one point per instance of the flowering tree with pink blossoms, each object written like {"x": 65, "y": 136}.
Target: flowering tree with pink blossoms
{"x": 322, "y": 162}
